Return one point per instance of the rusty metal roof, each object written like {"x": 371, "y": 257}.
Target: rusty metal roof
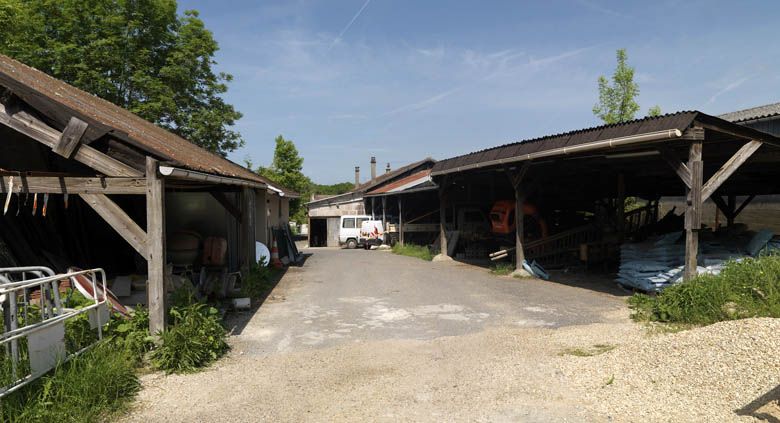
{"x": 414, "y": 180}
{"x": 679, "y": 120}
{"x": 379, "y": 180}
{"x": 59, "y": 101}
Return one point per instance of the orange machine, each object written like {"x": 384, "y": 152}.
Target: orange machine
{"x": 502, "y": 217}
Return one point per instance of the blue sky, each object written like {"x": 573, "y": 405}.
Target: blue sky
{"x": 402, "y": 80}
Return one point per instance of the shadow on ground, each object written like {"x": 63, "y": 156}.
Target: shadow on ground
{"x": 590, "y": 279}
{"x": 236, "y": 321}
{"x": 766, "y": 407}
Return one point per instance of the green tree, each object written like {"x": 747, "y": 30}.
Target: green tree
{"x": 138, "y": 54}
{"x": 654, "y": 111}
{"x": 617, "y": 99}
{"x": 287, "y": 170}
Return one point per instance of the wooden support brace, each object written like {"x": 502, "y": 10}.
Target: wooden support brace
{"x": 443, "y": 247}
{"x": 679, "y": 167}
{"x": 70, "y": 137}
{"x": 73, "y": 185}
{"x": 728, "y": 168}
{"x": 36, "y": 129}
{"x": 119, "y": 220}
{"x": 227, "y": 204}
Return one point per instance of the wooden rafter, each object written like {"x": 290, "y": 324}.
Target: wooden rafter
{"x": 227, "y": 204}
{"x": 38, "y": 130}
{"x": 73, "y": 185}
{"x": 119, "y": 220}
{"x": 70, "y": 137}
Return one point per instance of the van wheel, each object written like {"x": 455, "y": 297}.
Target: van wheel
{"x": 351, "y": 244}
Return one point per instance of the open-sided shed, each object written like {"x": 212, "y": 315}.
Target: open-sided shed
{"x": 686, "y": 153}
{"x": 115, "y": 170}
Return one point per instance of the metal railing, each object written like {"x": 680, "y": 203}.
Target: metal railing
{"x": 19, "y": 283}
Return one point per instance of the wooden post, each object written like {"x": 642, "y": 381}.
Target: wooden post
{"x": 155, "y": 232}
{"x": 247, "y": 224}
{"x": 620, "y": 207}
{"x": 731, "y": 206}
{"x": 372, "y": 208}
{"x": 519, "y": 229}
{"x": 384, "y": 214}
{"x": 400, "y": 221}
{"x": 693, "y": 210}
{"x": 443, "y": 222}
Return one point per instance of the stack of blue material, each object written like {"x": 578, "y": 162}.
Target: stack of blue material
{"x": 657, "y": 263}
{"x": 647, "y": 265}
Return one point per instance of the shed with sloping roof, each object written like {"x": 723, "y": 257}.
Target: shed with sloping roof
{"x": 109, "y": 188}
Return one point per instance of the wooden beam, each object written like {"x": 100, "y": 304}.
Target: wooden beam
{"x": 73, "y": 185}
{"x": 728, "y": 168}
{"x": 443, "y": 217}
{"x": 400, "y": 220}
{"x": 70, "y": 137}
{"x": 36, "y": 129}
{"x": 519, "y": 231}
{"x": 679, "y": 167}
{"x": 227, "y": 204}
{"x": 119, "y": 220}
{"x": 248, "y": 226}
{"x": 743, "y": 205}
{"x": 722, "y": 206}
{"x": 155, "y": 230}
{"x": 693, "y": 210}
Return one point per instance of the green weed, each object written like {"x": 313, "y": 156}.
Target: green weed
{"x": 411, "y": 250}
{"x": 195, "y": 339}
{"x": 91, "y": 387}
{"x": 588, "y": 352}
{"x": 749, "y": 288}
{"x": 502, "y": 269}
{"x": 258, "y": 282}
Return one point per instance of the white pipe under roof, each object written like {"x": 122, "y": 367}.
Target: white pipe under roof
{"x": 191, "y": 175}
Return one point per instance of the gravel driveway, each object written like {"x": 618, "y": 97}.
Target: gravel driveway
{"x": 370, "y": 336}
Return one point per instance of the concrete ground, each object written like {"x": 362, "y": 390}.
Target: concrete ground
{"x": 348, "y": 317}
{"x": 359, "y": 336}
{"x": 342, "y": 296}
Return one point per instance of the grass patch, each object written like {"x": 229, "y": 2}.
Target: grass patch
{"x": 411, "y": 250}
{"x": 596, "y": 349}
{"x": 91, "y": 387}
{"x": 502, "y": 269}
{"x": 749, "y": 288}
{"x": 259, "y": 281}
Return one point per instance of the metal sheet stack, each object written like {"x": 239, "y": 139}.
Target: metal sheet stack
{"x": 658, "y": 262}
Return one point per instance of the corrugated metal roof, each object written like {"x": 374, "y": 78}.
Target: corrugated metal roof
{"x": 680, "y": 120}
{"x": 767, "y": 110}
{"x": 402, "y": 184}
{"x": 52, "y": 96}
{"x": 393, "y": 174}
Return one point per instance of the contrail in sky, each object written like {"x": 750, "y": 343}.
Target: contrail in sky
{"x": 346, "y": 28}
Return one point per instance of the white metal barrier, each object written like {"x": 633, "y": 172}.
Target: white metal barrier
{"x": 45, "y": 337}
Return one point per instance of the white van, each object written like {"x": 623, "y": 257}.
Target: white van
{"x": 349, "y": 230}
{"x": 372, "y": 233}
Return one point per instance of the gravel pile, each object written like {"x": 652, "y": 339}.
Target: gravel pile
{"x": 703, "y": 374}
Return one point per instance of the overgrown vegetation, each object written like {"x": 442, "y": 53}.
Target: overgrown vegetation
{"x": 748, "y": 288}
{"x": 195, "y": 339}
{"x": 502, "y": 269}
{"x": 258, "y": 282}
{"x": 411, "y": 250}
{"x": 617, "y": 99}
{"x": 90, "y": 387}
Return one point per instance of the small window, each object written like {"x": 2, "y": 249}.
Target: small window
{"x": 349, "y": 223}
{"x": 360, "y": 221}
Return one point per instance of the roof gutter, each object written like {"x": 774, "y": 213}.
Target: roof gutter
{"x": 581, "y": 148}
{"x": 191, "y": 175}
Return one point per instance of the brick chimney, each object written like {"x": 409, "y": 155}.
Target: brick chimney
{"x": 357, "y": 176}
{"x": 387, "y": 169}
{"x": 373, "y": 167}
